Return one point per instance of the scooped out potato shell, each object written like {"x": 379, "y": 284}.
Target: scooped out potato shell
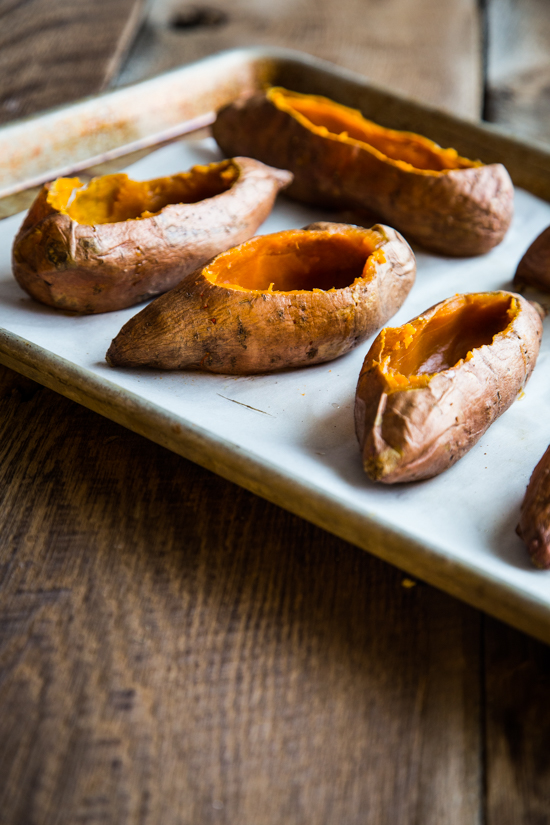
{"x": 117, "y": 242}
{"x": 294, "y": 298}
{"x": 429, "y": 390}
{"x": 449, "y": 204}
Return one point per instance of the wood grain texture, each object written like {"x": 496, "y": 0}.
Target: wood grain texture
{"x": 54, "y": 52}
{"x": 517, "y": 727}
{"x": 427, "y": 49}
{"x": 175, "y": 650}
{"x": 518, "y": 66}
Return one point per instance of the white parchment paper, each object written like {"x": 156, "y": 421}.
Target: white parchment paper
{"x": 302, "y": 421}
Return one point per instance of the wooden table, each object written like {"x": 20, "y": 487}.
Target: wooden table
{"x": 174, "y": 649}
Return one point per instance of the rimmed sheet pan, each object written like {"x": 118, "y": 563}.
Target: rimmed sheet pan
{"x": 289, "y": 436}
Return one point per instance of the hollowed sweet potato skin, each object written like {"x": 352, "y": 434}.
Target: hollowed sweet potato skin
{"x": 459, "y": 212}
{"x": 99, "y": 268}
{"x": 213, "y": 327}
{"x": 534, "y": 522}
{"x": 418, "y": 432}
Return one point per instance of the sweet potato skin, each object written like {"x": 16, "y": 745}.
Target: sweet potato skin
{"x": 88, "y": 269}
{"x": 534, "y": 268}
{"x": 534, "y": 522}
{"x": 418, "y": 433}
{"x": 459, "y": 213}
{"x": 205, "y": 326}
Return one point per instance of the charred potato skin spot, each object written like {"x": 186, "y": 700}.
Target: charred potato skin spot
{"x": 90, "y": 269}
{"x": 534, "y": 522}
{"x": 417, "y": 433}
{"x": 460, "y": 213}
{"x": 255, "y": 335}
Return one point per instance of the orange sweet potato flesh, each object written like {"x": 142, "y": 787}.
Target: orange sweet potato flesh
{"x": 447, "y": 203}
{"x": 429, "y": 390}
{"x": 534, "y": 523}
{"x": 294, "y": 298}
{"x": 116, "y": 242}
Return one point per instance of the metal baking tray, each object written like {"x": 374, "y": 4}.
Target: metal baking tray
{"x": 289, "y": 436}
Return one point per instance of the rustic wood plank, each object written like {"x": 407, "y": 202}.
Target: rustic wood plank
{"x": 55, "y": 52}
{"x": 174, "y": 649}
{"x": 517, "y": 727}
{"x": 518, "y": 66}
{"x": 429, "y": 50}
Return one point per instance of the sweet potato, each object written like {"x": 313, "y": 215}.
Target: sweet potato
{"x": 534, "y": 522}
{"x": 116, "y": 242}
{"x": 290, "y": 299}
{"x": 534, "y": 268}
{"x": 429, "y": 390}
{"x": 447, "y": 203}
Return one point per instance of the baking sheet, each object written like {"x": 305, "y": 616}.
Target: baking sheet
{"x": 298, "y": 425}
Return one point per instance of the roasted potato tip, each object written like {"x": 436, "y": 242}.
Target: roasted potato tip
{"x": 534, "y": 522}
{"x": 115, "y": 242}
{"x": 429, "y": 390}
{"x": 290, "y": 299}
{"x": 447, "y": 203}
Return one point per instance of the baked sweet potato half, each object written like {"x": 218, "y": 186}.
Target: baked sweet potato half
{"x": 447, "y": 203}
{"x": 429, "y": 390}
{"x": 534, "y": 522}
{"x": 289, "y": 299}
{"x": 115, "y": 242}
